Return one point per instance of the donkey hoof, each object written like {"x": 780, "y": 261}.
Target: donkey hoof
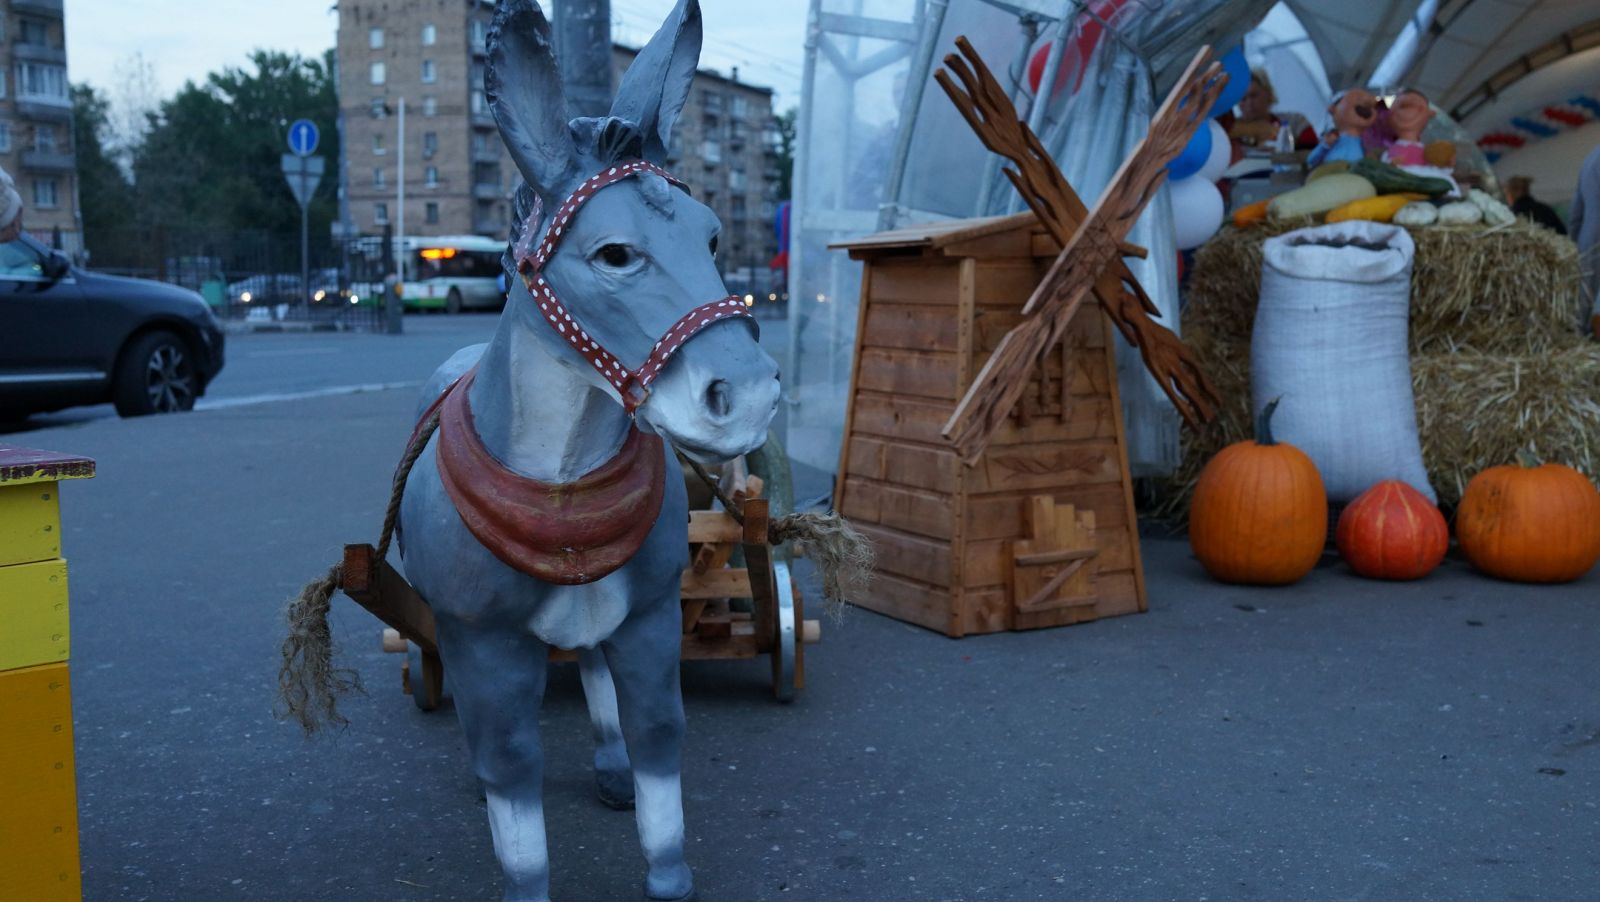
{"x": 691, "y": 897}
{"x": 615, "y": 790}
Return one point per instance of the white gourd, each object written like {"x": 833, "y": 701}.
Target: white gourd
{"x": 1417, "y": 213}
{"x": 1462, "y": 212}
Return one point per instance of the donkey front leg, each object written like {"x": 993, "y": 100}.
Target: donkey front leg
{"x": 498, "y": 680}
{"x": 643, "y": 656}
{"x": 613, "y": 780}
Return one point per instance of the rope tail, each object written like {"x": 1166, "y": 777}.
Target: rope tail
{"x": 309, "y": 686}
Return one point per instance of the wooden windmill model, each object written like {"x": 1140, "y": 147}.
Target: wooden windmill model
{"x": 985, "y": 453}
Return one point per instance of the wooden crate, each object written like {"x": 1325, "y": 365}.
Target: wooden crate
{"x": 1041, "y": 530}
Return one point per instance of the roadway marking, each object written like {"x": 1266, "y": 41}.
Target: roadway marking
{"x": 274, "y": 397}
{"x": 293, "y": 352}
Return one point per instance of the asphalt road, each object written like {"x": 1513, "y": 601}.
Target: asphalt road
{"x": 1337, "y": 740}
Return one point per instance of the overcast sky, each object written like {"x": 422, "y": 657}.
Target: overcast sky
{"x": 183, "y": 40}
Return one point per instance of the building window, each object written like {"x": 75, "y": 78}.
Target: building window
{"x": 480, "y": 34}
{"x": 377, "y": 177}
{"x": 33, "y": 32}
{"x": 44, "y": 139}
{"x": 429, "y": 73}
{"x": 430, "y": 144}
{"x": 711, "y": 151}
{"x": 377, "y": 145}
{"x": 378, "y": 74}
{"x": 430, "y": 106}
{"x": 2, "y": 80}
{"x": 379, "y": 108}
{"x": 430, "y": 177}
{"x": 380, "y": 214}
{"x": 41, "y": 81}
{"x": 5, "y": 137}
{"x": 44, "y": 193}
{"x": 429, "y": 35}
{"x": 741, "y": 107}
{"x": 736, "y": 179}
{"x": 375, "y": 38}
{"x": 430, "y": 213}
{"x": 479, "y": 103}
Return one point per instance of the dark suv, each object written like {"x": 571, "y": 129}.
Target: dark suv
{"x": 69, "y": 336}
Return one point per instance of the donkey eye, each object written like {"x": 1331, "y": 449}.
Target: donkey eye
{"x": 713, "y": 245}
{"x": 617, "y": 255}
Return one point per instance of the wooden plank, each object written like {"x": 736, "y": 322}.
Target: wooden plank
{"x": 915, "y": 511}
{"x": 992, "y": 323}
{"x": 713, "y": 526}
{"x": 918, "y": 280}
{"x": 20, "y": 466}
{"x": 1131, "y": 518}
{"x": 1001, "y": 516}
{"x": 729, "y": 583}
{"x": 1089, "y": 417}
{"x": 986, "y": 561}
{"x": 901, "y": 419}
{"x": 985, "y": 611}
{"x": 911, "y": 601}
{"x": 758, "y": 557}
{"x": 910, "y": 465}
{"x": 907, "y": 555}
{"x": 1116, "y": 594}
{"x": 378, "y": 587}
{"x": 1007, "y": 283}
{"x": 926, "y": 374}
{"x": 39, "y": 829}
{"x": 1016, "y": 243}
{"x": 910, "y": 326}
{"x": 1050, "y": 466}
{"x": 30, "y": 523}
{"x": 854, "y": 388}
{"x": 33, "y": 614}
{"x": 737, "y": 645}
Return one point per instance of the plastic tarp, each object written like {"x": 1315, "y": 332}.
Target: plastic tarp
{"x": 847, "y": 147}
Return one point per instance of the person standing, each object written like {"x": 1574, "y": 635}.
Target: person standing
{"x": 10, "y": 208}
{"x": 1585, "y": 218}
{"x": 1523, "y": 203}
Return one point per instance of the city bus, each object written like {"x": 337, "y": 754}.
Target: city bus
{"x": 451, "y": 273}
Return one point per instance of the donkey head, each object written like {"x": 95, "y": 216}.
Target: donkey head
{"x": 638, "y": 255}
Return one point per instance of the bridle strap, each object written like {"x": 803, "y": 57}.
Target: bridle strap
{"x": 632, "y": 385}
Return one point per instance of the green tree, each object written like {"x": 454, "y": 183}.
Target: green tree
{"x": 105, "y": 196}
{"x": 786, "y": 142}
{"x": 210, "y": 159}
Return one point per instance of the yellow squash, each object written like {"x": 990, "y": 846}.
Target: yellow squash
{"x": 1376, "y": 209}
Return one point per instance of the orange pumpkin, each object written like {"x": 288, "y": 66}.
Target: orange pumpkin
{"x": 1530, "y": 522}
{"x": 1260, "y": 512}
{"x": 1392, "y": 531}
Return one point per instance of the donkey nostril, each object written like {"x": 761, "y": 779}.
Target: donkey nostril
{"x": 718, "y": 398}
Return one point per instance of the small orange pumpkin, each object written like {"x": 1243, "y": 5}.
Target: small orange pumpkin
{"x": 1530, "y": 522}
{"x": 1392, "y": 531}
{"x": 1260, "y": 512}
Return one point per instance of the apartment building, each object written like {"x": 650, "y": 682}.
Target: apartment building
{"x": 458, "y": 178}
{"x": 36, "y": 119}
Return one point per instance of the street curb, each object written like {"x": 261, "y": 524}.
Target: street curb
{"x": 245, "y": 327}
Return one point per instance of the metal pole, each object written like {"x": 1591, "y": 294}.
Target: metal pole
{"x": 1052, "y": 66}
{"x": 305, "y": 243}
{"x": 400, "y": 193}
{"x": 583, "y": 45}
{"x": 991, "y": 162}
{"x": 911, "y": 103}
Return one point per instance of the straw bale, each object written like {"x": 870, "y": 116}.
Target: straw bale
{"x": 1512, "y": 289}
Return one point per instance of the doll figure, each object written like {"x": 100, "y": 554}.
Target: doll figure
{"x": 1408, "y": 116}
{"x": 1353, "y": 110}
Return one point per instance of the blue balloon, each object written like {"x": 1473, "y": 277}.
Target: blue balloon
{"x": 1193, "y": 157}
{"x": 1233, "y": 63}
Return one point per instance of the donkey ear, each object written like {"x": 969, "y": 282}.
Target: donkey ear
{"x": 523, "y": 86}
{"x": 656, "y": 86}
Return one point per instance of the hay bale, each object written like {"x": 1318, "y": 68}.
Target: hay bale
{"x": 1474, "y": 411}
{"x": 1510, "y": 290}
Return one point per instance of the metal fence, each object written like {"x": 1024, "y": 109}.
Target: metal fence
{"x": 250, "y": 275}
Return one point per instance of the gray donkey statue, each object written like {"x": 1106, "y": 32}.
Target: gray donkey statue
{"x": 619, "y": 334}
{"x": 535, "y": 498}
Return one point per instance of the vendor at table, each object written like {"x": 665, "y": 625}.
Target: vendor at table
{"x": 1257, "y": 125}
{"x": 1354, "y": 111}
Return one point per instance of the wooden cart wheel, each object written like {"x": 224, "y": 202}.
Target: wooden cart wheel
{"x": 785, "y": 650}
{"x": 425, "y": 676}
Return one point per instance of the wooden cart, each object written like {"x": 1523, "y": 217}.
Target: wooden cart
{"x": 713, "y": 626}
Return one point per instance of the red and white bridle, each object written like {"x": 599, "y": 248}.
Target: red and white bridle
{"x": 531, "y": 262}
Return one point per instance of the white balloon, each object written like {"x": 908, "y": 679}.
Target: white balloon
{"x": 1221, "y": 153}
{"x": 1196, "y": 211}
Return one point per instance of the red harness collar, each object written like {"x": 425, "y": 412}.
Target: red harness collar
{"x": 566, "y": 533}
{"x": 632, "y": 385}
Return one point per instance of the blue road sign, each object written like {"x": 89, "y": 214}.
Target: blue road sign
{"x": 303, "y": 137}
